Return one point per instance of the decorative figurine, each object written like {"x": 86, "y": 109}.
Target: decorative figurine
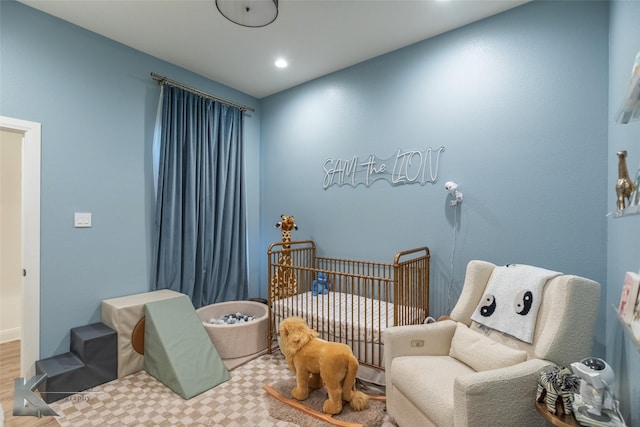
{"x": 624, "y": 185}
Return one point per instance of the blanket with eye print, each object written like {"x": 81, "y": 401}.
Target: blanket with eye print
{"x": 512, "y": 298}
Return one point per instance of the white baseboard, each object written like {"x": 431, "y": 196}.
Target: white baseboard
{"x": 10, "y": 335}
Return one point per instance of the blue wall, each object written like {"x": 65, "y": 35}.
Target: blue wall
{"x": 623, "y": 233}
{"x": 97, "y": 103}
{"x": 519, "y": 101}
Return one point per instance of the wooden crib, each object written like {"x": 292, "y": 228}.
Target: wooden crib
{"x": 361, "y": 299}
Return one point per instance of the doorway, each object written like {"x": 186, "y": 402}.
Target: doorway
{"x": 30, "y": 239}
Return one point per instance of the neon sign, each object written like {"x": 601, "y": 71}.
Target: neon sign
{"x": 405, "y": 167}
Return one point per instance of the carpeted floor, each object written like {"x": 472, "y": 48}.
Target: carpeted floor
{"x": 141, "y": 400}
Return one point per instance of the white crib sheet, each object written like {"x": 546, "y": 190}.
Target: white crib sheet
{"x": 343, "y": 315}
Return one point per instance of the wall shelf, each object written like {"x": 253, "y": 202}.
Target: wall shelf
{"x": 631, "y": 210}
{"x": 627, "y": 329}
{"x": 630, "y": 109}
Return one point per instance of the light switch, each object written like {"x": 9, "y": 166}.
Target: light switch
{"x": 82, "y": 219}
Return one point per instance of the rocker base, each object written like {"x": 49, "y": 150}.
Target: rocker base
{"x": 320, "y": 415}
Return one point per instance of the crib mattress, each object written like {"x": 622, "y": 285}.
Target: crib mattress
{"x": 343, "y": 315}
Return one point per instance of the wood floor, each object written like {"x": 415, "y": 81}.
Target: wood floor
{"x": 9, "y": 371}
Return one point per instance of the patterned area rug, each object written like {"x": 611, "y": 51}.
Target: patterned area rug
{"x": 141, "y": 400}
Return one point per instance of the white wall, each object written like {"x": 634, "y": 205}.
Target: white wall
{"x": 10, "y": 235}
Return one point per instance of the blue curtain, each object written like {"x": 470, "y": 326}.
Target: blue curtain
{"x": 200, "y": 225}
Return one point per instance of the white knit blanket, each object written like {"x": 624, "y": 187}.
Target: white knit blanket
{"x": 512, "y": 298}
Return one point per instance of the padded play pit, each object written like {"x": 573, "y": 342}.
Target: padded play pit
{"x": 240, "y": 339}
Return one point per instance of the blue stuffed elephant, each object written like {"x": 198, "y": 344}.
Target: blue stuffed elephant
{"x": 320, "y": 285}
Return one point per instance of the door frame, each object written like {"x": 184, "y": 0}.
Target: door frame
{"x": 30, "y": 328}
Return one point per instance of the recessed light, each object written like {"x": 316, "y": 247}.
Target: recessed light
{"x": 281, "y": 63}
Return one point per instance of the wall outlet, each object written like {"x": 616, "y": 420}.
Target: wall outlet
{"x": 417, "y": 343}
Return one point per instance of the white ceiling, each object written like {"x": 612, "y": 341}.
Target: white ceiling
{"x": 317, "y": 37}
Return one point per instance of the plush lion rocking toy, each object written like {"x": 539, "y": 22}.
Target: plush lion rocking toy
{"x": 315, "y": 361}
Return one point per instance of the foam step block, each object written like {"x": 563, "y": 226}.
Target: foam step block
{"x": 97, "y": 346}
{"x": 65, "y": 376}
{"x": 178, "y": 350}
{"x": 123, "y": 314}
{"x": 92, "y": 361}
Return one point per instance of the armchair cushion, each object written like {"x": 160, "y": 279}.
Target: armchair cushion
{"x": 482, "y": 353}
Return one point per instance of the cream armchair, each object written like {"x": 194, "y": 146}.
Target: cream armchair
{"x": 455, "y": 373}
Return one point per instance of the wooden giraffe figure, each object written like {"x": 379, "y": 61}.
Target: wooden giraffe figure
{"x": 624, "y": 185}
{"x": 284, "y": 282}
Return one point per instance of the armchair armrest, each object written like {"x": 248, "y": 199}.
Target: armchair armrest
{"x": 484, "y": 398}
{"x": 433, "y": 339}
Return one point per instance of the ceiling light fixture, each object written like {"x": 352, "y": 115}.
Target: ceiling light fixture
{"x": 281, "y": 63}
{"x": 249, "y": 13}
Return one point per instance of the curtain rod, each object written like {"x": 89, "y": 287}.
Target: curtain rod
{"x": 165, "y": 80}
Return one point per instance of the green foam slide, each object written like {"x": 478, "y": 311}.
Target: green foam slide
{"x": 177, "y": 349}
